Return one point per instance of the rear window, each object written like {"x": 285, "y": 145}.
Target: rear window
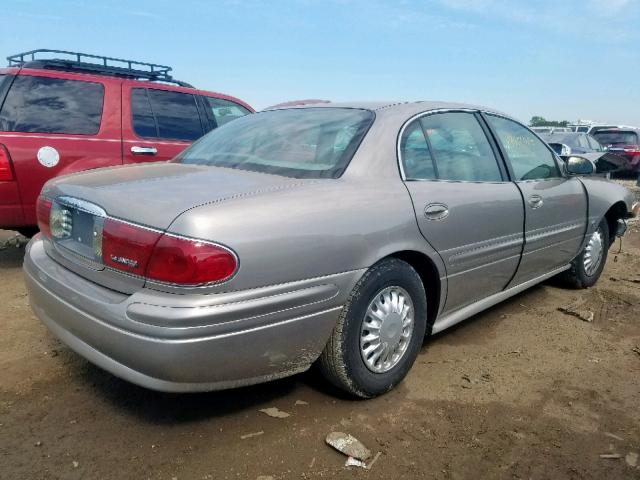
{"x": 620, "y": 138}
{"x": 52, "y": 105}
{"x": 300, "y": 143}
{"x": 164, "y": 114}
{"x": 224, "y": 111}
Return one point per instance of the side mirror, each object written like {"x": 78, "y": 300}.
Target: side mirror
{"x": 579, "y": 166}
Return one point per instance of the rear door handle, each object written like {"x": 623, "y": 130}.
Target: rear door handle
{"x": 535, "y": 201}
{"x": 436, "y": 211}
{"x": 144, "y": 150}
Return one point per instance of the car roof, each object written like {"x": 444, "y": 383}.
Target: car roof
{"x": 409, "y": 108}
{"x": 617, "y": 130}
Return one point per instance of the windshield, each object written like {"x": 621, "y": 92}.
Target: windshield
{"x": 617, "y": 138}
{"x": 300, "y": 143}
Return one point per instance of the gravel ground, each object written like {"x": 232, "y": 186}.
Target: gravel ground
{"x": 519, "y": 391}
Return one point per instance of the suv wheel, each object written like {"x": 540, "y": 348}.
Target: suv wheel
{"x": 380, "y": 331}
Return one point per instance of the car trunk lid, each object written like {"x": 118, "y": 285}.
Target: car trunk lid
{"x": 149, "y": 195}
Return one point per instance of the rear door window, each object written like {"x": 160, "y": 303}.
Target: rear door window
{"x": 459, "y": 147}
{"x": 52, "y": 105}
{"x": 529, "y": 156}
{"x": 223, "y": 111}
{"x": 165, "y": 115}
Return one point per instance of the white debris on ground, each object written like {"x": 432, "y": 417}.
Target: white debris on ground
{"x": 275, "y": 412}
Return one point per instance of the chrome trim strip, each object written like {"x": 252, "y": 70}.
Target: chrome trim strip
{"x": 82, "y": 205}
{"x": 464, "y": 313}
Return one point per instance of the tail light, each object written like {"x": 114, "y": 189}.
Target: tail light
{"x": 633, "y": 149}
{"x": 43, "y": 215}
{"x": 5, "y": 165}
{"x": 164, "y": 258}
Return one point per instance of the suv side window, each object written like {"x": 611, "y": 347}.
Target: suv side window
{"x": 224, "y": 111}
{"x": 460, "y": 148}
{"x": 529, "y": 156}
{"x": 165, "y": 114}
{"x": 52, "y": 105}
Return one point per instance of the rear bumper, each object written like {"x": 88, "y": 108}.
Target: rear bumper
{"x": 184, "y": 343}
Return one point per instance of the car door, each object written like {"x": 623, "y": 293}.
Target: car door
{"x": 555, "y": 205}
{"x": 466, "y": 207}
{"x": 158, "y": 124}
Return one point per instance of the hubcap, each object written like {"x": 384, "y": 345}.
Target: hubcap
{"x": 593, "y": 253}
{"x": 386, "y": 329}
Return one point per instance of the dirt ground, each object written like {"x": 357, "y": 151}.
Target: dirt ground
{"x": 520, "y": 391}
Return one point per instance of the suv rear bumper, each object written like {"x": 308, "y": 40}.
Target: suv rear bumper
{"x": 226, "y": 342}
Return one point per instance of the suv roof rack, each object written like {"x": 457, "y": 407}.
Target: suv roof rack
{"x": 97, "y": 64}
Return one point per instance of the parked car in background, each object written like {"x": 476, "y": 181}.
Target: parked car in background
{"x": 540, "y": 130}
{"x": 566, "y": 143}
{"x": 624, "y": 142}
{"x": 77, "y": 112}
{"x": 585, "y": 145}
{"x": 340, "y": 232}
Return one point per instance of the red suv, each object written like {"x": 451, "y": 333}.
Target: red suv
{"x": 77, "y": 112}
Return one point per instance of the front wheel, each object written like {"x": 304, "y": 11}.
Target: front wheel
{"x": 588, "y": 265}
{"x": 380, "y": 331}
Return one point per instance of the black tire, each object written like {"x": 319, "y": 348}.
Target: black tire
{"x": 577, "y": 276}
{"x": 28, "y": 231}
{"x": 341, "y": 361}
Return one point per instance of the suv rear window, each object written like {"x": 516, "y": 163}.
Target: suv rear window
{"x": 617, "y": 138}
{"x": 164, "y": 114}
{"x": 224, "y": 111}
{"x": 52, "y": 105}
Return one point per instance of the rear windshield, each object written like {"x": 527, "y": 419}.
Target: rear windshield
{"x": 52, "y": 105}
{"x": 300, "y": 143}
{"x": 619, "y": 138}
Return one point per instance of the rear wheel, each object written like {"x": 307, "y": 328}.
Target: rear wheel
{"x": 28, "y": 231}
{"x": 588, "y": 265}
{"x": 380, "y": 331}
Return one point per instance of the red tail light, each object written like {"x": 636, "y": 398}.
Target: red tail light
{"x": 164, "y": 258}
{"x": 635, "y": 149}
{"x": 190, "y": 262}
{"x": 127, "y": 247}
{"x": 5, "y": 165}
{"x": 43, "y": 214}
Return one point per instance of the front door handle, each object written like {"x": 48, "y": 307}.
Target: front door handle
{"x": 535, "y": 201}
{"x": 436, "y": 211}
{"x": 144, "y": 150}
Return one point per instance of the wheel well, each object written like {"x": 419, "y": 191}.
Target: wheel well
{"x": 428, "y": 272}
{"x": 617, "y": 211}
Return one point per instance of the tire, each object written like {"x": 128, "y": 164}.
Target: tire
{"x": 342, "y": 361}
{"x": 27, "y": 231}
{"x": 579, "y": 275}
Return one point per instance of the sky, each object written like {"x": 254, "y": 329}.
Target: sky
{"x": 560, "y": 59}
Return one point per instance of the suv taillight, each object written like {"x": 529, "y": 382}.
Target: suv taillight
{"x": 162, "y": 257}
{"x": 634, "y": 149}
{"x": 5, "y": 165}
{"x": 43, "y": 215}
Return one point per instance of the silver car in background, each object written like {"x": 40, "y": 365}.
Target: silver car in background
{"x": 338, "y": 233}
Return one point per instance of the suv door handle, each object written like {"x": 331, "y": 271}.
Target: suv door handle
{"x": 535, "y": 201}
{"x": 436, "y": 211}
{"x": 144, "y": 150}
